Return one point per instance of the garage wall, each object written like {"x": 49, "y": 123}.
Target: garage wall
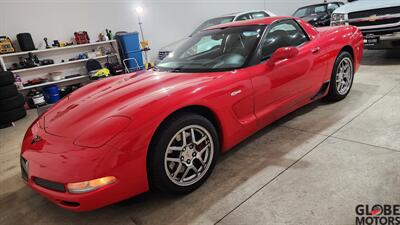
{"x": 164, "y": 20}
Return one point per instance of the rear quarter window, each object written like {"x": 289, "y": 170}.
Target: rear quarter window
{"x": 244, "y": 17}
{"x": 257, "y": 15}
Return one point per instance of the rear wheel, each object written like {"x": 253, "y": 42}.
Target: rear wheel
{"x": 183, "y": 154}
{"x": 342, "y": 77}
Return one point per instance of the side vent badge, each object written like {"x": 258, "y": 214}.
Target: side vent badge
{"x": 36, "y": 139}
{"x": 236, "y": 92}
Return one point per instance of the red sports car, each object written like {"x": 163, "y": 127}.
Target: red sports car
{"x": 164, "y": 129}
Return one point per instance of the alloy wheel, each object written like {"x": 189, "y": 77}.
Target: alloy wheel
{"x": 189, "y": 155}
{"x": 344, "y": 76}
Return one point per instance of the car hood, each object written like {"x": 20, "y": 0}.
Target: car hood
{"x": 116, "y": 96}
{"x": 362, "y": 5}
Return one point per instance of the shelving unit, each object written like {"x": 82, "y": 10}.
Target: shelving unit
{"x": 58, "y": 64}
{"x": 54, "y": 82}
{"x": 58, "y": 48}
{"x": 57, "y": 54}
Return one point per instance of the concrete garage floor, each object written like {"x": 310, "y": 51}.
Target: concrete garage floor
{"x": 311, "y": 167}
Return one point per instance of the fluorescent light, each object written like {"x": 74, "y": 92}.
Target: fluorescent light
{"x": 139, "y": 10}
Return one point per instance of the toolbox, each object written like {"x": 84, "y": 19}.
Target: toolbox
{"x": 6, "y": 45}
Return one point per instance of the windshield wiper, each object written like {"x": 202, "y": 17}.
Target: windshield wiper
{"x": 176, "y": 69}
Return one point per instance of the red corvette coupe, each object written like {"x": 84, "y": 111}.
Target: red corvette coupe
{"x": 117, "y": 137}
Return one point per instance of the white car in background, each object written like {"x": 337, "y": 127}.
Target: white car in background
{"x": 379, "y": 21}
{"x": 163, "y": 52}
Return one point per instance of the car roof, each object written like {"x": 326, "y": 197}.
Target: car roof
{"x": 231, "y": 14}
{"x": 261, "y": 21}
{"x": 241, "y": 13}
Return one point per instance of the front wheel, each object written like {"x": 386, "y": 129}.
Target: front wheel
{"x": 183, "y": 154}
{"x": 342, "y": 77}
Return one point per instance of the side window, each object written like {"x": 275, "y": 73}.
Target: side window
{"x": 332, "y": 7}
{"x": 257, "y": 15}
{"x": 301, "y": 12}
{"x": 244, "y": 17}
{"x": 284, "y": 34}
{"x": 320, "y": 9}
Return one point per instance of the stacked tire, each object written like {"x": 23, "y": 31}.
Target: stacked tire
{"x": 11, "y": 102}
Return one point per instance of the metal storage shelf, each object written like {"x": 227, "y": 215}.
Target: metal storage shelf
{"x": 11, "y": 57}
{"x": 53, "y": 82}
{"x": 57, "y": 64}
{"x": 58, "y": 54}
{"x": 57, "y": 49}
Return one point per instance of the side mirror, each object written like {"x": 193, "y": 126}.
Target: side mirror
{"x": 282, "y": 53}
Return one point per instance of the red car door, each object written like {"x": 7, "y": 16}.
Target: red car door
{"x": 281, "y": 87}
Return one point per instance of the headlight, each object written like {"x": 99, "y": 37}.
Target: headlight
{"x": 338, "y": 19}
{"x": 91, "y": 185}
{"x": 99, "y": 134}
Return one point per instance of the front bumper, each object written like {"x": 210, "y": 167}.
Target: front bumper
{"x": 49, "y": 165}
{"x": 380, "y": 31}
{"x": 78, "y": 202}
{"x": 387, "y": 41}
{"x": 380, "y": 36}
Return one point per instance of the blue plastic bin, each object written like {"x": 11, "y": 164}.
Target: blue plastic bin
{"x": 130, "y": 49}
{"x": 51, "y": 94}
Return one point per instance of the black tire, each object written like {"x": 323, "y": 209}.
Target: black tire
{"x": 8, "y": 104}
{"x": 6, "y": 78}
{"x": 158, "y": 177}
{"x": 8, "y": 91}
{"x": 12, "y": 115}
{"x": 334, "y": 95}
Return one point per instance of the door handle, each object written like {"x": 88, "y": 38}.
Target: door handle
{"x": 315, "y": 50}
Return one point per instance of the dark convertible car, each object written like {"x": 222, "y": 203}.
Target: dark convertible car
{"x": 318, "y": 15}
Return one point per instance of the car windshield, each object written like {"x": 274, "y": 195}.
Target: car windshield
{"x": 213, "y": 22}
{"x": 214, "y": 50}
{"x": 310, "y": 10}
